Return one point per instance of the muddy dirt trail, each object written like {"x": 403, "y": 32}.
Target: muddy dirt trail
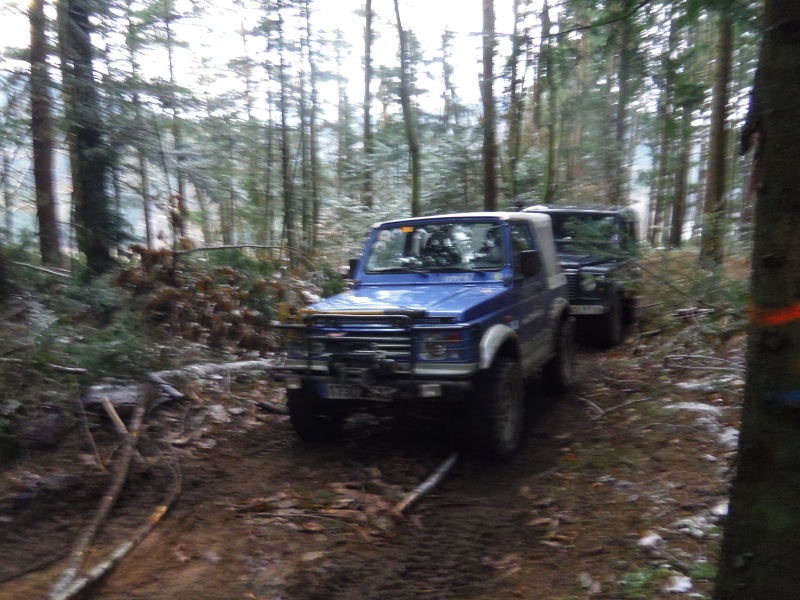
{"x": 262, "y": 515}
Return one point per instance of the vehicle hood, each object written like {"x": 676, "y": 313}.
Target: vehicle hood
{"x": 462, "y": 302}
{"x": 576, "y": 260}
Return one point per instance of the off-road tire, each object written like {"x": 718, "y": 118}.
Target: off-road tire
{"x": 497, "y": 410}
{"x": 610, "y": 325}
{"x": 559, "y": 372}
{"x": 307, "y": 418}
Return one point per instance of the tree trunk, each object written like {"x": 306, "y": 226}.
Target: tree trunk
{"x": 95, "y": 230}
{"x": 368, "y": 144}
{"x": 712, "y": 243}
{"x": 681, "y": 181}
{"x": 343, "y": 115}
{"x": 487, "y": 94}
{"x": 180, "y": 213}
{"x": 408, "y": 116}
{"x": 666, "y": 123}
{"x": 619, "y": 182}
{"x": 514, "y": 105}
{"x": 313, "y": 126}
{"x": 575, "y": 150}
{"x": 286, "y": 175}
{"x": 8, "y": 196}
{"x": 42, "y": 136}
{"x": 552, "y": 103}
{"x": 762, "y": 533}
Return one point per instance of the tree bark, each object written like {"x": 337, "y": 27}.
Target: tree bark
{"x": 42, "y": 136}
{"x": 487, "y": 94}
{"x": 666, "y": 121}
{"x": 514, "y": 104}
{"x": 762, "y": 534}
{"x": 313, "y": 133}
{"x": 552, "y": 104}
{"x": 618, "y": 189}
{"x": 408, "y": 116}
{"x": 368, "y": 143}
{"x": 288, "y": 184}
{"x": 681, "y": 181}
{"x": 95, "y": 230}
{"x": 712, "y": 243}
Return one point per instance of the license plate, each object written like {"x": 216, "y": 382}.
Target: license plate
{"x": 586, "y": 310}
{"x": 354, "y": 391}
{"x": 343, "y": 391}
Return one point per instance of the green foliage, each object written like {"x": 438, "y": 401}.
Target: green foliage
{"x": 243, "y": 260}
{"x": 703, "y": 571}
{"x": 642, "y": 583}
{"x": 720, "y": 295}
{"x": 333, "y": 283}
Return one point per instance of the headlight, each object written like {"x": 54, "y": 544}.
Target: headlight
{"x": 434, "y": 346}
{"x": 317, "y": 347}
{"x": 588, "y": 282}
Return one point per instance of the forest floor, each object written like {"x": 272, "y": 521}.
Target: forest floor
{"x": 616, "y": 493}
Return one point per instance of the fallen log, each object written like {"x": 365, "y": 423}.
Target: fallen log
{"x": 170, "y": 391}
{"x": 426, "y": 486}
{"x": 210, "y": 369}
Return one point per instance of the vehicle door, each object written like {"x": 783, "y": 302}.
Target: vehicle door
{"x": 530, "y": 314}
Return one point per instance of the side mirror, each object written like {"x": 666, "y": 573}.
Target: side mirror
{"x": 351, "y": 273}
{"x": 530, "y": 262}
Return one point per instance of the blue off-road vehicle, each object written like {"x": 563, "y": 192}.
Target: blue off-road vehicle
{"x": 450, "y": 313}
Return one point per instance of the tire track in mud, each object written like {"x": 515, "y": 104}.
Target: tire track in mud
{"x": 466, "y": 540}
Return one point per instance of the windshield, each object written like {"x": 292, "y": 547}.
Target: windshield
{"x": 437, "y": 246}
{"x": 583, "y": 232}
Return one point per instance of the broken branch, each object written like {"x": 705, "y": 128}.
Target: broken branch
{"x": 76, "y": 587}
{"x": 107, "y": 503}
{"x": 426, "y": 486}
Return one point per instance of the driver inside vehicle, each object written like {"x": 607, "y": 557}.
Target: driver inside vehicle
{"x": 491, "y": 250}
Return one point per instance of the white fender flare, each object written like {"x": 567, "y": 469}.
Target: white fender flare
{"x": 492, "y": 340}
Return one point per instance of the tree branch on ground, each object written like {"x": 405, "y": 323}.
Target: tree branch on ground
{"x": 426, "y": 486}
{"x": 58, "y": 591}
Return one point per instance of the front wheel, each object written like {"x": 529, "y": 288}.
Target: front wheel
{"x": 308, "y": 419}
{"x": 610, "y": 324}
{"x": 498, "y": 410}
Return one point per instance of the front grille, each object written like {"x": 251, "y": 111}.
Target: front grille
{"x": 391, "y": 343}
{"x": 572, "y": 285}
{"x": 363, "y": 341}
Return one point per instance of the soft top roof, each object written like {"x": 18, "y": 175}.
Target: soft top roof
{"x": 605, "y": 210}
{"x": 502, "y": 215}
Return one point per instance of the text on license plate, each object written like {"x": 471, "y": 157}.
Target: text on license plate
{"x": 586, "y": 310}
{"x": 352, "y": 391}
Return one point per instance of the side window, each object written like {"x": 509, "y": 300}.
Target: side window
{"x": 521, "y": 239}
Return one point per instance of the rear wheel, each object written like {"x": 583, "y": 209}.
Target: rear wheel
{"x": 498, "y": 410}
{"x": 309, "y": 420}
{"x": 558, "y": 372}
